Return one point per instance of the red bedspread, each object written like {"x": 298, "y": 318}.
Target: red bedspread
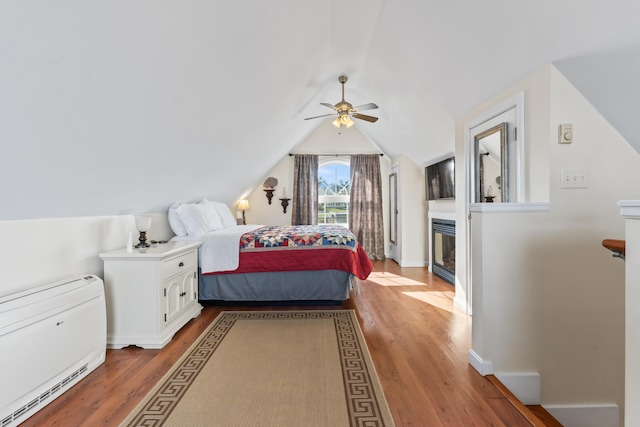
{"x": 303, "y": 247}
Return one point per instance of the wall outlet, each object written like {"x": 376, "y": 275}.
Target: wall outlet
{"x": 574, "y": 179}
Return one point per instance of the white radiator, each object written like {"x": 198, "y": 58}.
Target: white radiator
{"x": 51, "y": 337}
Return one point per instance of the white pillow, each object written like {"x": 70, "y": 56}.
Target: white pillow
{"x": 174, "y": 220}
{"x": 226, "y": 217}
{"x": 214, "y": 216}
{"x": 198, "y": 219}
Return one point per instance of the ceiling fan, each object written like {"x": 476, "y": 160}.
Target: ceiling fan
{"x": 344, "y": 110}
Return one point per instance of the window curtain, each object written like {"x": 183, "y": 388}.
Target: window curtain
{"x": 304, "y": 209}
{"x": 365, "y": 206}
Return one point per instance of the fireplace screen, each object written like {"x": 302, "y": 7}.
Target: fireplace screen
{"x": 443, "y": 252}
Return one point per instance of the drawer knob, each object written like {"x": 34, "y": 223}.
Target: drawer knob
{"x": 181, "y": 264}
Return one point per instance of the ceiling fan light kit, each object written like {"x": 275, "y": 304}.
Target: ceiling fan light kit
{"x": 345, "y": 111}
{"x": 344, "y": 119}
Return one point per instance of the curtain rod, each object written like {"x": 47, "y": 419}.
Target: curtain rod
{"x": 337, "y": 155}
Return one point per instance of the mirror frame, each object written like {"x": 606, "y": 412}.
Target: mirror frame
{"x": 393, "y": 208}
{"x": 502, "y": 128}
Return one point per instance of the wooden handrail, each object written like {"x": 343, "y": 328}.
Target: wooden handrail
{"x": 618, "y": 247}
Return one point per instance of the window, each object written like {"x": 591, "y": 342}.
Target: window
{"x": 334, "y": 187}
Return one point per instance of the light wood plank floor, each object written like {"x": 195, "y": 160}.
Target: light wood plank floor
{"x": 418, "y": 341}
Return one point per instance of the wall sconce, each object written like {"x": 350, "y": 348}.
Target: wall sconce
{"x": 269, "y": 192}
{"x": 243, "y": 205}
{"x": 269, "y": 185}
{"x": 143, "y": 223}
{"x": 284, "y": 202}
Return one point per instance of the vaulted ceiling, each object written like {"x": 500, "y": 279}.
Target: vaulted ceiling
{"x": 123, "y": 106}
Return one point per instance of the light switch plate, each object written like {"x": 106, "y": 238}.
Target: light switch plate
{"x": 574, "y": 179}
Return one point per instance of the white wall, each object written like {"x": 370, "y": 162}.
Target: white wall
{"x": 412, "y": 241}
{"x": 631, "y": 212}
{"x": 261, "y": 212}
{"x": 469, "y": 278}
{"x": 536, "y": 186}
{"x": 38, "y": 251}
{"x": 113, "y": 108}
{"x": 547, "y": 298}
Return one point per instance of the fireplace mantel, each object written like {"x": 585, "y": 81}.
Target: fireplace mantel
{"x": 441, "y": 215}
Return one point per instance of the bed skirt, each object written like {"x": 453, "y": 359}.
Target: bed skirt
{"x": 314, "y": 285}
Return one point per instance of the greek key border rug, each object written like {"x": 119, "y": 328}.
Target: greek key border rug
{"x": 271, "y": 368}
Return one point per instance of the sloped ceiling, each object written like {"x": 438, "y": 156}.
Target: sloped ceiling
{"x": 124, "y": 106}
{"x": 610, "y": 81}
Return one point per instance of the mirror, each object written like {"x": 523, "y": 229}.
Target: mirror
{"x": 492, "y": 165}
{"x": 393, "y": 207}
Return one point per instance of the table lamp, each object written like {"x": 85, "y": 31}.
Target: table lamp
{"x": 143, "y": 223}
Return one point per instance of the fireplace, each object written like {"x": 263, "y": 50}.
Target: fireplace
{"x": 443, "y": 249}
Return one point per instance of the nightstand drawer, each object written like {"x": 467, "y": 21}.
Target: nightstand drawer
{"x": 178, "y": 264}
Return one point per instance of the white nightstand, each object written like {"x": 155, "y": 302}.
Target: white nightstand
{"x": 151, "y": 293}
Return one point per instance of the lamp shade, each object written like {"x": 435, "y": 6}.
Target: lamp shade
{"x": 143, "y": 222}
{"x": 349, "y": 122}
{"x": 243, "y": 205}
{"x": 343, "y": 119}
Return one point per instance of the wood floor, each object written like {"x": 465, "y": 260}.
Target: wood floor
{"x": 418, "y": 342}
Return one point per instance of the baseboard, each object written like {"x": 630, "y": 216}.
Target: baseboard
{"x": 525, "y": 386}
{"x": 603, "y": 415}
{"x": 485, "y": 367}
{"x": 413, "y": 264}
{"x": 461, "y": 304}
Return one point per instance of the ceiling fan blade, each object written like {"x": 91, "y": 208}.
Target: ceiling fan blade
{"x": 316, "y": 117}
{"x": 365, "y": 107}
{"x": 326, "y": 104}
{"x": 365, "y": 117}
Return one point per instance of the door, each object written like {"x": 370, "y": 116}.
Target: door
{"x": 172, "y": 298}
{"x": 190, "y": 289}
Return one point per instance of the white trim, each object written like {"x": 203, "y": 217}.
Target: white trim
{"x": 510, "y": 207}
{"x": 515, "y": 101}
{"x": 462, "y": 305}
{"x": 413, "y": 264}
{"x": 525, "y": 386}
{"x": 324, "y": 159}
{"x": 485, "y": 367}
{"x": 629, "y": 208}
{"x": 594, "y": 415}
{"x": 442, "y": 215}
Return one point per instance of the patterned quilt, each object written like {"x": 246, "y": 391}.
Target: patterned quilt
{"x": 298, "y": 237}
{"x": 302, "y": 248}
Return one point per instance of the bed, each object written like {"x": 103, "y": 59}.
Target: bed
{"x": 270, "y": 263}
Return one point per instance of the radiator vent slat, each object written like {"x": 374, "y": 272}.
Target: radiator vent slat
{"x": 44, "y": 396}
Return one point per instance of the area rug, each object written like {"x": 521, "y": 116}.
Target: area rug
{"x": 271, "y": 368}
